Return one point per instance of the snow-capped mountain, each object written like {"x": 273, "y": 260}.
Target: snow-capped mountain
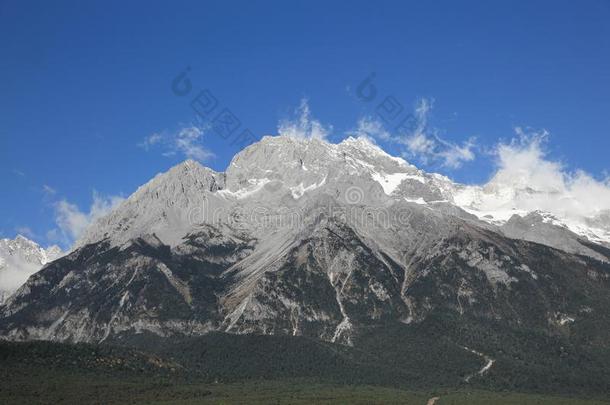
{"x": 20, "y": 258}
{"x": 305, "y": 237}
{"x": 291, "y": 171}
{"x": 500, "y": 200}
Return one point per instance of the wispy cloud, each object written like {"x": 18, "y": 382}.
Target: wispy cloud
{"x": 421, "y": 145}
{"x": 419, "y": 140}
{"x": 423, "y": 142}
{"x": 186, "y": 141}
{"x": 303, "y": 125}
{"x": 453, "y": 155}
{"x": 370, "y": 128}
{"x": 72, "y": 222}
{"x": 27, "y": 232}
{"x": 48, "y": 190}
{"x": 150, "y": 141}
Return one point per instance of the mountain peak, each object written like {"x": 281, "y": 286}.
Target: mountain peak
{"x": 284, "y": 168}
{"x": 368, "y": 145}
{"x": 160, "y": 206}
{"x": 23, "y": 239}
{"x": 189, "y": 165}
{"x": 19, "y": 258}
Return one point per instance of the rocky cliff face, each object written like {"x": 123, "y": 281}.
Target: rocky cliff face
{"x": 308, "y": 238}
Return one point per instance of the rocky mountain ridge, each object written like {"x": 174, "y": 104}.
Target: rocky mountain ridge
{"x": 304, "y": 237}
{"x": 286, "y": 169}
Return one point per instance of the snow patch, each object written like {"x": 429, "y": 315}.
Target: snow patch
{"x": 298, "y": 191}
{"x": 419, "y": 201}
{"x": 390, "y": 182}
{"x": 256, "y": 185}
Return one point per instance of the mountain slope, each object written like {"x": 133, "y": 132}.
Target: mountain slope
{"x": 241, "y": 251}
{"x": 336, "y": 242}
{"x": 327, "y": 284}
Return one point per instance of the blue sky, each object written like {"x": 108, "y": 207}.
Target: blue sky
{"x": 84, "y": 84}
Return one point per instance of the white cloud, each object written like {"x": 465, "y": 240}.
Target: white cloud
{"x": 371, "y": 128}
{"x": 303, "y": 126}
{"x": 522, "y": 163}
{"x": 187, "y": 142}
{"x": 526, "y": 179}
{"x": 418, "y": 139}
{"x": 16, "y": 273}
{"x": 72, "y": 222}
{"x": 423, "y": 142}
{"x": 422, "y": 111}
{"x": 20, "y": 266}
{"x": 453, "y": 155}
{"x": 420, "y": 144}
{"x": 150, "y": 141}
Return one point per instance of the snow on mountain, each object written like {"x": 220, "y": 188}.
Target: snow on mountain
{"x": 162, "y": 206}
{"x": 306, "y": 237}
{"x": 499, "y": 200}
{"x": 20, "y": 258}
{"x": 282, "y": 171}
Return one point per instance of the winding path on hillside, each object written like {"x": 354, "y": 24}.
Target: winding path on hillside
{"x": 488, "y": 363}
